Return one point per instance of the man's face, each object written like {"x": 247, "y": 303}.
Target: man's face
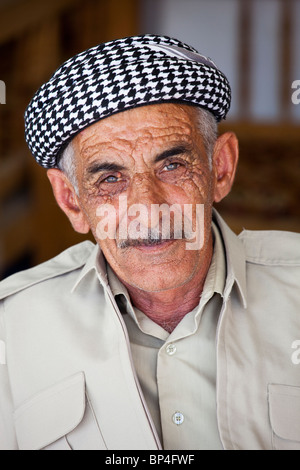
{"x": 151, "y": 155}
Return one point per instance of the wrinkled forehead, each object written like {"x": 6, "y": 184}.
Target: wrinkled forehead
{"x": 139, "y": 129}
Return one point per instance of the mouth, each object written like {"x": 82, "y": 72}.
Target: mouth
{"x": 157, "y": 245}
{"x": 149, "y": 245}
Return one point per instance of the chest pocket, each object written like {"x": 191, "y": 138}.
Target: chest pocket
{"x": 59, "y": 418}
{"x": 284, "y": 412}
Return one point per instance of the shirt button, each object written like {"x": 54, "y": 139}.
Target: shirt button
{"x": 178, "y": 418}
{"x": 171, "y": 349}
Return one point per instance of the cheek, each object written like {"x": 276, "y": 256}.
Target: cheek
{"x": 90, "y": 205}
{"x": 198, "y": 186}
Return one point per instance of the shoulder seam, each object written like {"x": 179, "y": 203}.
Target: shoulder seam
{"x": 272, "y": 248}
{"x": 18, "y": 282}
{"x": 271, "y": 261}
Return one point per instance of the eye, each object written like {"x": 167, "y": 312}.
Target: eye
{"x": 172, "y": 171}
{"x": 111, "y": 183}
{"x": 171, "y": 166}
{"x": 112, "y": 178}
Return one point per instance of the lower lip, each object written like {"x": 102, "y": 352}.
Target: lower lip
{"x": 154, "y": 248}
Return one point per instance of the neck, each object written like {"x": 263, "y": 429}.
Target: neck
{"x": 168, "y": 307}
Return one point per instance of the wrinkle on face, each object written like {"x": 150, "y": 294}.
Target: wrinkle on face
{"x": 136, "y": 141}
{"x": 133, "y": 155}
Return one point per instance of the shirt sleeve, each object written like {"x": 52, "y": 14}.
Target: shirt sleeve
{"x": 7, "y": 433}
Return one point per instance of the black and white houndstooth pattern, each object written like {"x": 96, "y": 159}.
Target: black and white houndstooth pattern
{"x": 117, "y": 76}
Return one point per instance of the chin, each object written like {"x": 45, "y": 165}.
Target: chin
{"x": 158, "y": 278}
{"x": 156, "y": 268}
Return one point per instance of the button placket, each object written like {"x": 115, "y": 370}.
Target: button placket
{"x": 178, "y": 418}
{"x": 171, "y": 349}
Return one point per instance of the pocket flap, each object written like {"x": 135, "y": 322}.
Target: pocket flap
{"x": 284, "y": 409}
{"x": 50, "y": 414}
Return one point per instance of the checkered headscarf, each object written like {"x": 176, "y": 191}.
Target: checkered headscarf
{"x": 117, "y": 76}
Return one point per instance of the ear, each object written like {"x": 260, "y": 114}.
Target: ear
{"x": 67, "y": 200}
{"x": 225, "y": 159}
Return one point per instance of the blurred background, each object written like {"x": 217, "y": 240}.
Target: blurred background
{"x": 256, "y": 43}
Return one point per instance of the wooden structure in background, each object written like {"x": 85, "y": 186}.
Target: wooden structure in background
{"x": 266, "y": 191}
{"x": 267, "y": 186}
{"x": 35, "y": 38}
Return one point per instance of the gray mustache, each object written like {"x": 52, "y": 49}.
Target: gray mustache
{"x": 152, "y": 237}
{"x": 150, "y": 241}
{"x": 139, "y": 242}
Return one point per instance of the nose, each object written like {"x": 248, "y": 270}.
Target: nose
{"x": 146, "y": 189}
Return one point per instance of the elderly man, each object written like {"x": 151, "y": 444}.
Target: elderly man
{"x": 171, "y": 332}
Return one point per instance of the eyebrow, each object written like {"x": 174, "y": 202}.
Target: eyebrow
{"x": 105, "y": 166}
{"x": 172, "y": 152}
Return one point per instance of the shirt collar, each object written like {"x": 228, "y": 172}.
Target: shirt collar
{"x": 235, "y": 259}
{"x": 95, "y": 263}
{"x": 216, "y": 276}
{"x": 215, "y": 280}
{"x": 214, "y": 283}
{"x": 115, "y": 284}
{"x": 235, "y": 265}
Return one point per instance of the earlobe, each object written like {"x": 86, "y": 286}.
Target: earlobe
{"x": 225, "y": 161}
{"x": 67, "y": 200}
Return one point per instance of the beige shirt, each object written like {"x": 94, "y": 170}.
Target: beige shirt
{"x": 67, "y": 376}
{"x": 177, "y": 371}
